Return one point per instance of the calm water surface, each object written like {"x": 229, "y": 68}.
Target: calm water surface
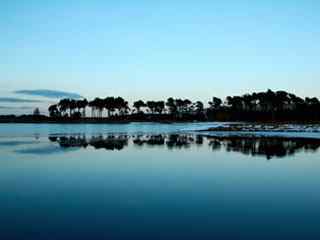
{"x": 155, "y": 181}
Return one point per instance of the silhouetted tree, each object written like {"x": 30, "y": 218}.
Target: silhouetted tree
{"x": 198, "y": 107}
{"x": 159, "y": 106}
{"x": 121, "y": 105}
{"x": 110, "y": 105}
{"x": 138, "y": 105}
{"x": 152, "y": 105}
{"x": 93, "y": 105}
{"x": 64, "y": 105}
{"x": 187, "y": 105}
{"x": 82, "y": 105}
{"x": 171, "y": 104}
{"x": 216, "y": 103}
{"x": 258, "y": 105}
{"x": 72, "y": 106}
{"x": 36, "y": 112}
{"x": 235, "y": 102}
{"x": 54, "y": 111}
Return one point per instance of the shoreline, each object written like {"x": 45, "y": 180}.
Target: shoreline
{"x": 230, "y": 125}
{"x": 101, "y": 121}
{"x": 265, "y": 128}
{"x": 111, "y": 121}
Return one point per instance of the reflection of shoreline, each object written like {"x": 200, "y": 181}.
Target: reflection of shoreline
{"x": 109, "y": 143}
{"x": 265, "y": 146}
{"x": 249, "y": 145}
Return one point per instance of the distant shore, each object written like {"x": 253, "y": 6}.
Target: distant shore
{"x": 262, "y": 107}
{"x": 115, "y": 120}
{"x": 237, "y": 125}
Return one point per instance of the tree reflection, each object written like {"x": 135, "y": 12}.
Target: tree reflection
{"x": 179, "y": 141}
{"x": 109, "y": 143}
{"x": 149, "y": 140}
{"x": 265, "y": 146}
{"x": 269, "y": 147}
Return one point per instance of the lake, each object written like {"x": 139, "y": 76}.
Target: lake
{"x": 156, "y": 181}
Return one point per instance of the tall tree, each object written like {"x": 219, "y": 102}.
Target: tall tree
{"x": 64, "y": 105}
{"x": 109, "y": 104}
{"x": 199, "y": 107}
{"x": 94, "y": 107}
{"x": 72, "y": 106}
{"x": 160, "y": 105}
{"x": 171, "y": 104}
{"x": 54, "y": 111}
{"x": 216, "y": 103}
{"x": 152, "y": 106}
{"x": 186, "y": 105}
{"x": 138, "y": 105}
{"x": 82, "y": 105}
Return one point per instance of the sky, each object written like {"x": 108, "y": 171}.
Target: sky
{"x": 156, "y": 49}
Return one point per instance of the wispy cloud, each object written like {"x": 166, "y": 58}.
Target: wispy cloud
{"x": 18, "y": 100}
{"x": 16, "y": 143}
{"x": 49, "y": 93}
{"x": 18, "y": 108}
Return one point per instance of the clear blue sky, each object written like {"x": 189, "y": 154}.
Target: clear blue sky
{"x": 149, "y": 49}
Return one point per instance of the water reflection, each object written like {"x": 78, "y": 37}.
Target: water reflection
{"x": 268, "y": 147}
{"x": 43, "y": 149}
{"x": 111, "y": 142}
{"x": 265, "y": 146}
{"x": 149, "y": 140}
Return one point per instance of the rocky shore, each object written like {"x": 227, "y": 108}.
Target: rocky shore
{"x": 265, "y": 127}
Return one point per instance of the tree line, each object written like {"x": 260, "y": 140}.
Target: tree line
{"x": 269, "y": 104}
{"x": 117, "y": 106}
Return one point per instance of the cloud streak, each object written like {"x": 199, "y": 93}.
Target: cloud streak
{"x": 49, "y": 93}
{"x": 18, "y": 100}
{"x": 18, "y": 108}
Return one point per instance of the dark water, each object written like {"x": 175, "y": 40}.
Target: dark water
{"x": 158, "y": 186}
